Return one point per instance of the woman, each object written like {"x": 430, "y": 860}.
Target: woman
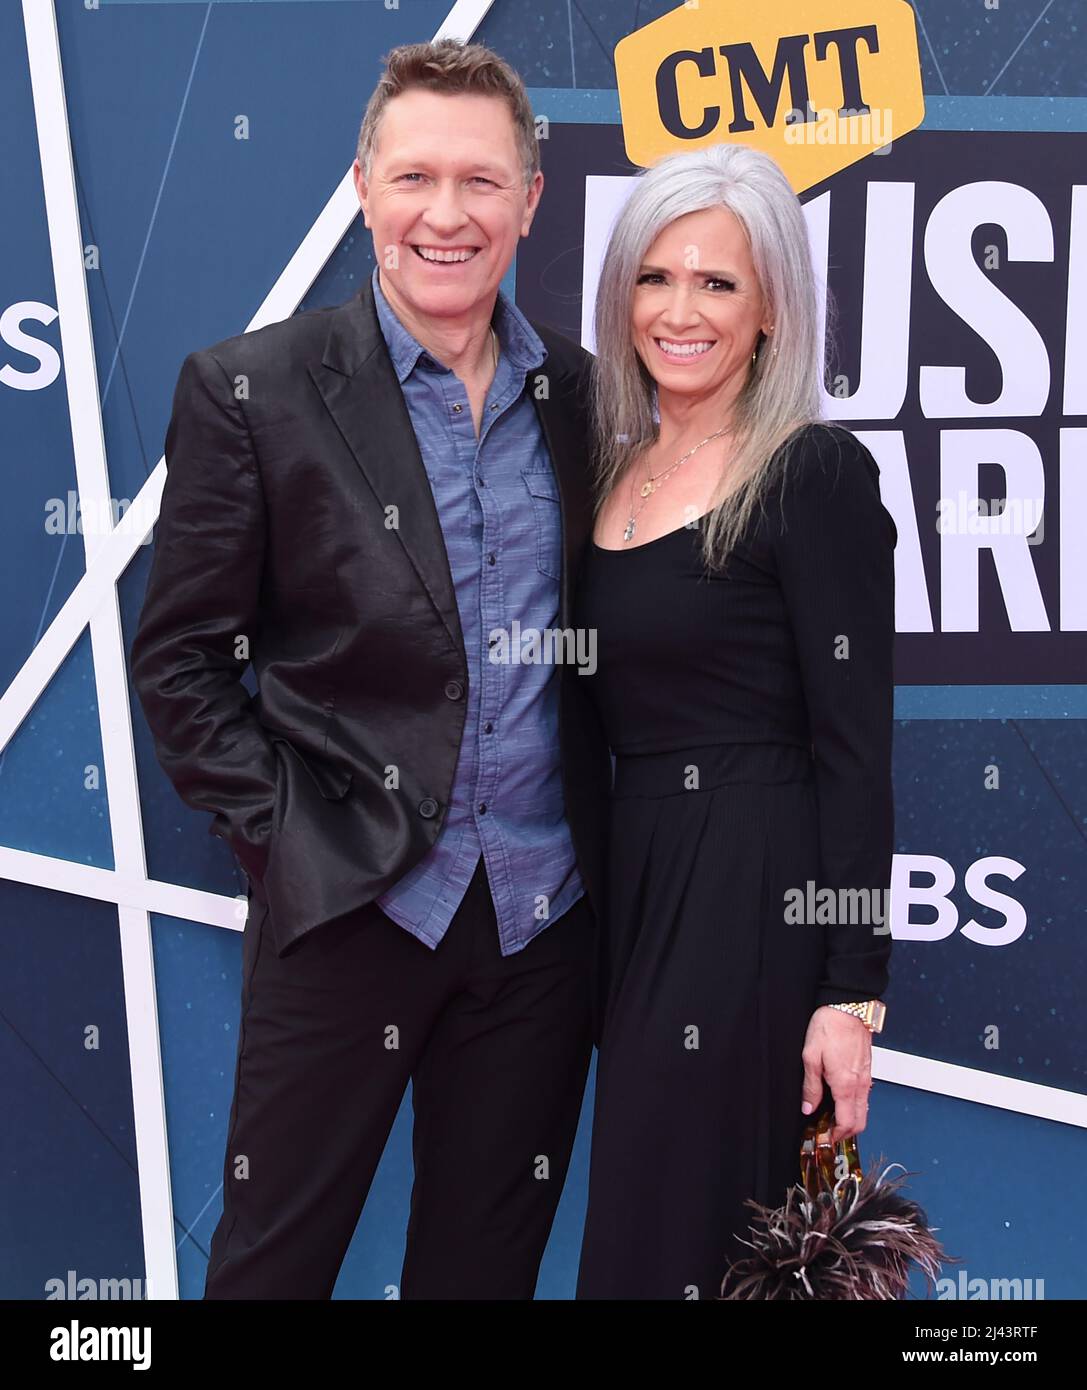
{"x": 741, "y": 584}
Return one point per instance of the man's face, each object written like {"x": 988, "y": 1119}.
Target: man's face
{"x": 446, "y": 201}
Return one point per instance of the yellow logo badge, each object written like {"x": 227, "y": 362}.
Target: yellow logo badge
{"x": 817, "y": 84}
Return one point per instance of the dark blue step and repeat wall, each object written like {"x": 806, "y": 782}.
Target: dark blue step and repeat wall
{"x": 205, "y": 142}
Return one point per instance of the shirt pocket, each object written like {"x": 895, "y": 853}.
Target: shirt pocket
{"x": 547, "y": 515}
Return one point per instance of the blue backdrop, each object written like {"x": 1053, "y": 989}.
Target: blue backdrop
{"x": 185, "y": 228}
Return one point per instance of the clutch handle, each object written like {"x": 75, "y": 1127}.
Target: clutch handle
{"x": 822, "y": 1164}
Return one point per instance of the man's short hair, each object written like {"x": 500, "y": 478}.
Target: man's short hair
{"x": 450, "y": 67}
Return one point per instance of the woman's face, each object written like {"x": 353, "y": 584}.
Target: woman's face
{"x": 698, "y": 306}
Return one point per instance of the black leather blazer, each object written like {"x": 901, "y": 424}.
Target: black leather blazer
{"x": 298, "y": 530}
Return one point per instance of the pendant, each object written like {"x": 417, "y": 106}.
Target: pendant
{"x": 629, "y": 532}
{"x": 647, "y": 488}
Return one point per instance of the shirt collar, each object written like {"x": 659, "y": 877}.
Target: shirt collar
{"x": 518, "y": 340}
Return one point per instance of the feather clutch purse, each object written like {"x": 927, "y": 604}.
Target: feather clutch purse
{"x": 841, "y": 1233}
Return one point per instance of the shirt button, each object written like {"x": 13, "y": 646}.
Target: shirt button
{"x": 428, "y": 807}
{"x": 490, "y": 558}
{"x": 454, "y": 690}
{"x": 482, "y": 808}
{"x": 495, "y": 406}
{"x": 483, "y": 482}
{"x": 488, "y": 728}
{"x": 457, "y": 409}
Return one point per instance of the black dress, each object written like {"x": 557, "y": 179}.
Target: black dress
{"x": 750, "y": 714}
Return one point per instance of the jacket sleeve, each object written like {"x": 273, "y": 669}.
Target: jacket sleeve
{"x": 202, "y": 597}
{"x": 835, "y": 557}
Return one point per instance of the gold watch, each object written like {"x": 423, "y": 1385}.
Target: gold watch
{"x": 871, "y": 1013}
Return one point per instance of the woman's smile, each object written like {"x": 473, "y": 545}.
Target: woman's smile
{"x": 684, "y": 351}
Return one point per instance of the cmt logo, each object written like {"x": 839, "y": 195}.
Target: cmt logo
{"x": 746, "y": 74}
{"x": 720, "y": 69}
{"x": 905, "y": 894}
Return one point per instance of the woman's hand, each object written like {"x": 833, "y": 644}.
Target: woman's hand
{"x": 838, "y": 1049}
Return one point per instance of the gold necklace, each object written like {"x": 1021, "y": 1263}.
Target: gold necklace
{"x": 655, "y": 480}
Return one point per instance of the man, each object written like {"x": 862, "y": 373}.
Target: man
{"x": 358, "y": 500}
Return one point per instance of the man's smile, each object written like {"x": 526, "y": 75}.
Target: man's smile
{"x": 441, "y": 255}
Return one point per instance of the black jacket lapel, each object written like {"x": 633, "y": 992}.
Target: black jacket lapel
{"x": 360, "y": 389}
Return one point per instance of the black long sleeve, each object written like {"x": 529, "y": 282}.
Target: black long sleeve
{"x": 202, "y": 597}
{"x": 835, "y": 556}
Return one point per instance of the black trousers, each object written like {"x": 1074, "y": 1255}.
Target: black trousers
{"x": 497, "y": 1049}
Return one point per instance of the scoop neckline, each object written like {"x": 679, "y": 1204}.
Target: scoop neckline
{"x": 611, "y": 550}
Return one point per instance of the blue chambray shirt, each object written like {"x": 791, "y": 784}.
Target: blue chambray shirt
{"x": 498, "y": 503}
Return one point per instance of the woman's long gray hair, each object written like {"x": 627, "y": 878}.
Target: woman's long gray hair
{"x": 783, "y": 389}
